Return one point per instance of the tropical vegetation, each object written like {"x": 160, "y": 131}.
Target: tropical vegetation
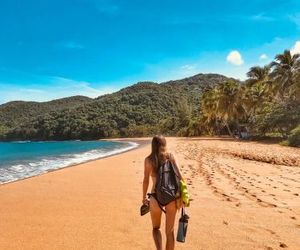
{"x": 142, "y": 109}
{"x": 266, "y": 104}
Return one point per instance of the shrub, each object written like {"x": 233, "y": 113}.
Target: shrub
{"x": 294, "y": 137}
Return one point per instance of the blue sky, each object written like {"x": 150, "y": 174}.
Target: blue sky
{"x": 56, "y": 48}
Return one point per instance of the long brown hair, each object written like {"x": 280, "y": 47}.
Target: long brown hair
{"x": 159, "y": 151}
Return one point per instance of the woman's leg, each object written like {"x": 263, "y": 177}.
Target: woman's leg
{"x": 170, "y": 220}
{"x": 155, "y": 212}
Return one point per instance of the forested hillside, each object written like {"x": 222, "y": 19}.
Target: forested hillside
{"x": 266, "y": 104}
{"x": 15, "y": 112}
{"x": 141, "y": 109}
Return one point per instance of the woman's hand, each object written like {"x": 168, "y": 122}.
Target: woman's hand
{"x": 146, "y": 201}
{"x": 147, "y": 171}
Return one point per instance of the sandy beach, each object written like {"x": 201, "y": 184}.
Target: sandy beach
{"x": 246, "y": 195}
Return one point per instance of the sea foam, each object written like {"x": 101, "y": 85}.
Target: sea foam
{"x": 41, "y": 166}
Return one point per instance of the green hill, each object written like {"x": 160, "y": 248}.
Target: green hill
{"x": 141, "y": 109}
{"x": 16, "y": 112}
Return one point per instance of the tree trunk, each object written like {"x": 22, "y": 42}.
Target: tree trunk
{"x": 229, "y": 130}
{"x": 239, "y": 130}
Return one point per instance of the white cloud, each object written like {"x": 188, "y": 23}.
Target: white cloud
{"x": 53, "y": 88}
{"x": 295, "y": 19}
{"x": 263, "y": 57}
{"x": 235, "y": 58}
{"x": 296, "y": 48}
{"x": 188, "y": 67}
{"x": 262, "y": 17}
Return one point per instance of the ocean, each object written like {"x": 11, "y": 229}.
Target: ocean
{"x": 23, "y": 159}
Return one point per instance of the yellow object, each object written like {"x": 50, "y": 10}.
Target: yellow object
{"x": 184, "y": 193}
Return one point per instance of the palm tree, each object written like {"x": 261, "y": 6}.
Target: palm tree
{"x": 223, "y": 104}
{"x": 253, "y": 100}
{"x": 258, "y": 74}
{"x": 285, "y": 74}
{"x": 229, "y": 105}
{"x": 209, "y": 104}
{"x": 296, "y": 87}
{"x": 257, "y": 87}
{"x": 209, "y": 108}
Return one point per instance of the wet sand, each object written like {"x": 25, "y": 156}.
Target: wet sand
{"x": 246, "y": 195}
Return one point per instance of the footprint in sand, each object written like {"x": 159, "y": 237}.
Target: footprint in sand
{"x": 271, "y": 231}
{"x": 265, "y": 204}
{"x": 225, "y": 222}
{"x": 282, "y": 245}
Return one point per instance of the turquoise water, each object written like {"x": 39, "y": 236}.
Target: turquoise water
{"x": 23, "y": 159}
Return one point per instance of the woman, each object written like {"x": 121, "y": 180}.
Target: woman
{"x": 158, "y": 156}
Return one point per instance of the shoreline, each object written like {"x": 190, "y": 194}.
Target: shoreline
{"x": 138, "y": 142}
{"x": 237, "y": 203}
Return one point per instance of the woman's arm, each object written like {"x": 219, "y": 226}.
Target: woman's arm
{"x": 147, "y": 171}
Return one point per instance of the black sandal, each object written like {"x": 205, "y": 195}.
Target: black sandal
{"x": 144, "y": 209}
